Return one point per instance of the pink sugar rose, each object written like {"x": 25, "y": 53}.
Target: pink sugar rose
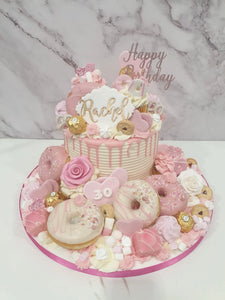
{"x": 92, "y": 129}
{"x": 77, "y": 171}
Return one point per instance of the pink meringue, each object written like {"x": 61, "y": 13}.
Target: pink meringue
{"x": 168, "y": 228}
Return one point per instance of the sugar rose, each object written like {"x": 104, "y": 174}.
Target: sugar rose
{"x": 77, "y": 171}
{"x": 191, "y": 181}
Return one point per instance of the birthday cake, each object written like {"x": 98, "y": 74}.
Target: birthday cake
{"x": 110, "y": 199}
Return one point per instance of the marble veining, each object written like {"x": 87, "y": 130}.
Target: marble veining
{"x": 43, "y": 42}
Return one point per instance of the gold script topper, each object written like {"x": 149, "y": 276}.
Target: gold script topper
{"x": 105, "y": 106}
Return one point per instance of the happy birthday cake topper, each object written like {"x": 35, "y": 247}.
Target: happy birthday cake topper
{"x": 144, "y": 65}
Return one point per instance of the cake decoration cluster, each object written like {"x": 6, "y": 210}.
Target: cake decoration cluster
{"x": 111, "y": 198}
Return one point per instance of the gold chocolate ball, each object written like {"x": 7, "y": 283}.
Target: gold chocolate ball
{"x": 128, "y": 71}
{"x": 185, "y": 221}
{"x": 52, "y": 199}
{"x": 77, "y": 124}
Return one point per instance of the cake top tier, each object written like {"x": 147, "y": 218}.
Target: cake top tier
{"x": 93, "y": 109}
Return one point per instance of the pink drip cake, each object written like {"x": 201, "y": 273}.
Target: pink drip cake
{"x": 110, "y": 200}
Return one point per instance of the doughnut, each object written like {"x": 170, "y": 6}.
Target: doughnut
{"x": 206, "y": 193}
{"x": 136, "y": 199}
{"x": 185, "y": 221}
{"x": 77, "y": 125}
{"x": 75, "y": 227}
{"x": 107, "y": 210}
{"x": 143, "y": 109}
{"x": 126, "y": 127}
{"x": 173, "y": 197}
{"x": 200, "y": 211}
{"x": 51, "y": 163}
{"x": 191, "y": 161}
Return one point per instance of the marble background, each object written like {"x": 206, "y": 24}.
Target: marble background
{"x": 42, "y": 42}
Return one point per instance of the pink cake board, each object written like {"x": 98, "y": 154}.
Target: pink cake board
{"x": 117, "y": 274}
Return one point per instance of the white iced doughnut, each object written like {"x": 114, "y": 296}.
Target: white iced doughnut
{"x": 136, "y": 199}
{"x": 75, "y": 227}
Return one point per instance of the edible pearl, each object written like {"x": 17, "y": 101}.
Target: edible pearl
{"x": 186, "y": 218}
{"x": 74, "y": 120}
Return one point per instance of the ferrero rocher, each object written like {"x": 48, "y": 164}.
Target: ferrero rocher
{"x": 128, "y": 71}
{"x": 77, "y": 124}
{"x": 52, "y": 199}
{"x": 185, "y": 221}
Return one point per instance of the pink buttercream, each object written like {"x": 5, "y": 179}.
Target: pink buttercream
{"x": 141, "y": 134}
{"x": 51, "y": 163}
{"x": 60, "y": 108}
{"x": 190, "y": 238}
{"x": 146, "y": 242}
{"x": 164, "y": 254}
{"x": 92, "y": 129}
{"x": 168, "y": 228}
{"x": 127, "y": 263}
{"x": 122, "y": 81}
{"x": 77, "y": 171}
{"x": 170, "y": 159}
{"x": 83, "y": 262}
{"x": 36, "y": 222}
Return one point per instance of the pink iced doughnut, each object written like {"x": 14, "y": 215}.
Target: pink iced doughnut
{"x": 73, "y": 226}
{"x": 51, "y": 163}
{"x": 173, "y": 197}
{"x": 136, "y": 199}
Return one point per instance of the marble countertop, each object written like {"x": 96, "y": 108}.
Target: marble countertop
{"x": 26, "y": 273}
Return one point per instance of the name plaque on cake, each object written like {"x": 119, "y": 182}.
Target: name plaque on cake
{"x": 105, "y": 106}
